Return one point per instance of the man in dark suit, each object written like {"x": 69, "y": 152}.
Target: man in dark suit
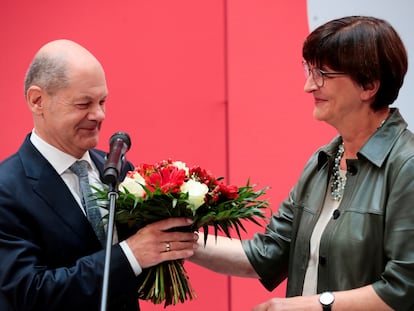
{"x": 50, "y": 256}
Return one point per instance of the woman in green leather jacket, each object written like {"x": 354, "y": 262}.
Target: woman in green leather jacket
{"x": 344, "y": 237}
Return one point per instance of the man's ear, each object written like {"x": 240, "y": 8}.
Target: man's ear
{"x": 370, "y": 90}
{"x": 35, "y": 99}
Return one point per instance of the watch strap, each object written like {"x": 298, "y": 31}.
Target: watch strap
{"x": 326, "y": 307}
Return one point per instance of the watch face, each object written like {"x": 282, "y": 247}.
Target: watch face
{"x": 326, "y": 298}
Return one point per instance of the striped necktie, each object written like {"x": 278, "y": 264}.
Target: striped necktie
{"x": 80, "y": 168}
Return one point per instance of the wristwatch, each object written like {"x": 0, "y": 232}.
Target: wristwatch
{"x": 326, "y": 299}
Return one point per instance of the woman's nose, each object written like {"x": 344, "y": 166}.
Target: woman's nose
{"x": 310, "y": 85}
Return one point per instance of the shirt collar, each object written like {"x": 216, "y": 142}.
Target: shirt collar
{"x": 60, "y": 160}
{"x": 378, "y": 146}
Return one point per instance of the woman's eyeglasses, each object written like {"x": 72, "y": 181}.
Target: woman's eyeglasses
{"x": 317, "y": 74}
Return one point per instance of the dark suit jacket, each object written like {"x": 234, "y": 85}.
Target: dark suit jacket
{"x": 50, "y": 258}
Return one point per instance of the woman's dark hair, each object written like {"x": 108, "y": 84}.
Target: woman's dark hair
{"x": 367, "y": 48}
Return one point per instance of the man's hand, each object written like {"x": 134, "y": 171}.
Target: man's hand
{"x": 152, "y": 244}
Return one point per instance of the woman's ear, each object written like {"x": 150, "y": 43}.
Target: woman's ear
{"x": 370, "y": 90}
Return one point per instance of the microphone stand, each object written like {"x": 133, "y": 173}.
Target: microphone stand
{"x": 112, "y": 196}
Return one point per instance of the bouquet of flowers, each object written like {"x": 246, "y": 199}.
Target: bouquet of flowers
{"x": 170, "y": 189}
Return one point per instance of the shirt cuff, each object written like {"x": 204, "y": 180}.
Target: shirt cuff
{"x": 131, "y": 258}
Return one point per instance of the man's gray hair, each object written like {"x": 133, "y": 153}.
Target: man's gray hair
{"x": 49, "y": 73}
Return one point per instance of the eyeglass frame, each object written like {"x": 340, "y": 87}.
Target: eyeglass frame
{"x": 310, "y": 71}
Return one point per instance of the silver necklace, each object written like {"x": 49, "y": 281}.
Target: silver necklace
{"x": 338, "y": 182}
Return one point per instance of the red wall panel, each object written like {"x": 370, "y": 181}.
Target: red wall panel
{"x": 164, "y": 66}
{"x": 267, "y": 109}
{"x": 216, "y": 83}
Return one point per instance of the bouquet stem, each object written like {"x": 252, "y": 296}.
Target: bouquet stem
{"x": 167, "y": 282}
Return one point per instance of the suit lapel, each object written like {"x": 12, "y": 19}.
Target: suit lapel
{"x": 49, "y": 186}
{"x": 98, "y": 157}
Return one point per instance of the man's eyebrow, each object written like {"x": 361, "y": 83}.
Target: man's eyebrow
{"x": 90, "y": 98}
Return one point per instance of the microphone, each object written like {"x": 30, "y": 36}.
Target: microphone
{"x": 119, "y": 145}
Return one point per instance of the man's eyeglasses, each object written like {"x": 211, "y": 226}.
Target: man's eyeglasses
{"x": 318, "y": 75}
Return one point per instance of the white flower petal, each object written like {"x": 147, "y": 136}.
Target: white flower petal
{"x": 133, "y": 185}
{"x": 196, "y": 192}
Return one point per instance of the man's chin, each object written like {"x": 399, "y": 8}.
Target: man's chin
{"x": 90, "y": 143}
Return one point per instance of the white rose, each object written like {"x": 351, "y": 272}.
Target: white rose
{"x": 133, "y": 185}
{"x": 196, "y": 192}
{"x": 182, "y": 166}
